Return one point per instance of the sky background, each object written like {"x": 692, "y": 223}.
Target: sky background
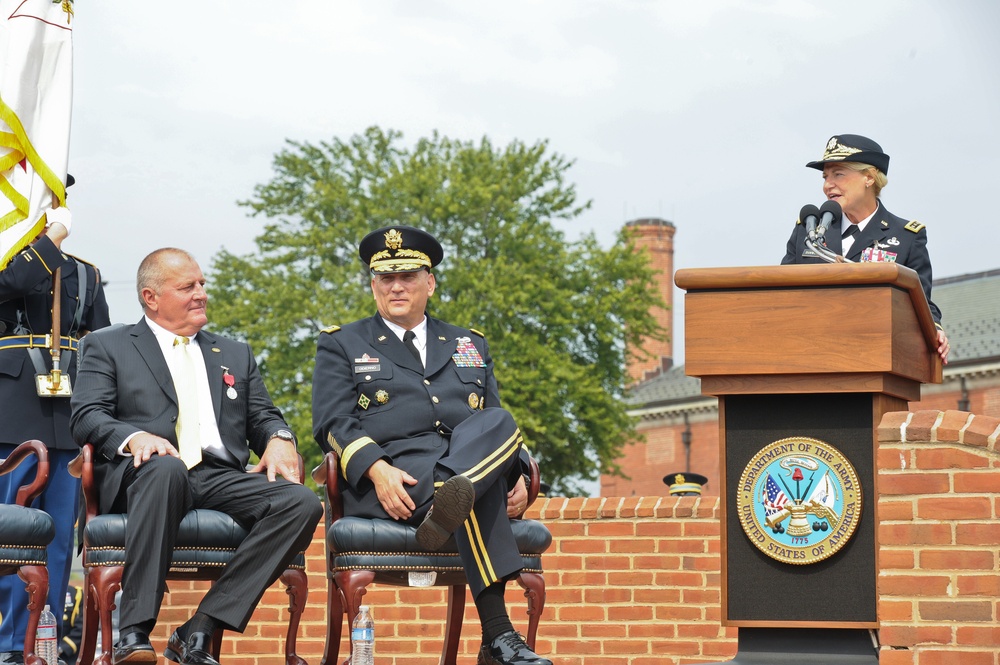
{"x": 703, "y": 112}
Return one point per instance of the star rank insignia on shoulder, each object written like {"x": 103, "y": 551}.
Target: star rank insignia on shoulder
{"x": 914, "y": 226}
{"x": 330, "y": 329}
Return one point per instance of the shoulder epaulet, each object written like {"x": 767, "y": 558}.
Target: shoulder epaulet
{"x": 914, "y": 226}
{"x": 330, "y": 329}
{"x": 83, "y": 261}
{"x": 474, "y": 331}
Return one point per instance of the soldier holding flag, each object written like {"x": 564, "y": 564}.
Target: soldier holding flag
{"x": 48, "y": 299}
{"x": 26, "y": 304}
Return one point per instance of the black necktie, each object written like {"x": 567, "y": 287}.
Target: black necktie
{"x": 852, "y": 230}
{"x": 408, "y": 338}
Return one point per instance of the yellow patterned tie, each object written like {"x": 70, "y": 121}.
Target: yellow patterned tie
{"x": 186, "y": 387}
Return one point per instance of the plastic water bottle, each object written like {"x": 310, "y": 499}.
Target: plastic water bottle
{"x": 46, "y": 638}
{"x": 363, "y": 638}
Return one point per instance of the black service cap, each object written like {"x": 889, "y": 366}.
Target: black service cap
{"x": 685, "y": 484}
{"x": 853, "y": 148}
{"x": 399, "y": 249}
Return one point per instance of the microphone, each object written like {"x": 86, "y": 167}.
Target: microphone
{"x": 829, "y": 212}
{"x": 809, "y": 215}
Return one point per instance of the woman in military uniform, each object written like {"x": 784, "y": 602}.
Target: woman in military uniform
{"x": 854, "y": 174}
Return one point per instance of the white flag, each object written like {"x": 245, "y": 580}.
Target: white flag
{"x": 36, "y": 99}
{"x": 825, "y": 492}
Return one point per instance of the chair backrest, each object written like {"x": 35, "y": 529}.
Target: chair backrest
{"x": 25, "y": 532}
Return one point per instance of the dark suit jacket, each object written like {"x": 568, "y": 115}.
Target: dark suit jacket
{"x": 906, "y": 240}
{"x": 26, "y": 289}
{"x": 372, "y": 400}
{"x": 124, "y": 386}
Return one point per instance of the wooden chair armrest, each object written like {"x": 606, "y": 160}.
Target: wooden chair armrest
{"x": 534, "y": 482}
{"x": 90, "y": 499}
{"x": 75, "y": 466}
{"x": 319, "y": 474}
{"x": 28, "y": 493}
{"x": 327, "y": 475}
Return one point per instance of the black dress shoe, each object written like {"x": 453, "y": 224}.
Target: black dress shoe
{"x": 452, "y": 505}
{"x": 509, "y": 649}
{"x": 133, "y": 648}
{"x": 195, "y": 649}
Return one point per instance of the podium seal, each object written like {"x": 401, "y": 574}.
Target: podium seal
{"x": 799, "y": 500}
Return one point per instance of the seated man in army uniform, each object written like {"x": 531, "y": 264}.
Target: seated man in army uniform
{"x": 410, "y": 404}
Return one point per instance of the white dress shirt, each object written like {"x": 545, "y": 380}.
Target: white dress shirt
{"x": 208, "y": 428}
{"x": 420, "y": 339}
{"x": 848, "y": 242}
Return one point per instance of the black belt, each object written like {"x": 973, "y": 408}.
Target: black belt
{"x": 37, "y": 342}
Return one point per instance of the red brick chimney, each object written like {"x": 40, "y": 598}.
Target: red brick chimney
{"x": 656, "y": 237}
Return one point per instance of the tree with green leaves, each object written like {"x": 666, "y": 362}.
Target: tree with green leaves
{"x": 558, "y": 314}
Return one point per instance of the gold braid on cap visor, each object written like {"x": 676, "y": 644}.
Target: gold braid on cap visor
{"x": 838, "y": 151}
{"x": 402, "y": 260}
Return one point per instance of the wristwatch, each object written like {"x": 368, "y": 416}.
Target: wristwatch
{"x": 283, "y": 434}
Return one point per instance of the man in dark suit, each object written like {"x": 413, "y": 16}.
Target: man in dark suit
{"x": 410, "y": 404}
{"x": 26, "y": 299}
{"x": 173, "y": 412}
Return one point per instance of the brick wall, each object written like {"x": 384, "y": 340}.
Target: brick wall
{"x": 635, "y": 581}
{"x": 939, "y": 587}
{"x": 629, "y": 582}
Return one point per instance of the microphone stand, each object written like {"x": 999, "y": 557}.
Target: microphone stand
{"x": 825, "y": 253}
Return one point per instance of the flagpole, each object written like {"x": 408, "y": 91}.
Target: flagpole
{"x": 54, "y": 384}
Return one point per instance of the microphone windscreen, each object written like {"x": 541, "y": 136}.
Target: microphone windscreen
{"x": 808, "y": 210}
{"x": 831, "y": 207}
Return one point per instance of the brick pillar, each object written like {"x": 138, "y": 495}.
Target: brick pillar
{"x": 655, "y": 237}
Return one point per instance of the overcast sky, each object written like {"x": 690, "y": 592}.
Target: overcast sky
{"x": 700, "y": 112}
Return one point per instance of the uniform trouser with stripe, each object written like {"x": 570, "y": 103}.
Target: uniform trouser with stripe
{"x": 486, "y": 448}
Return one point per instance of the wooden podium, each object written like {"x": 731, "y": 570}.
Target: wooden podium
{"x": 818, "y": 351}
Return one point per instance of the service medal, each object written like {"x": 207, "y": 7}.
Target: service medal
{"x": 467, "y": 355}
{"x": 230, "y": 381}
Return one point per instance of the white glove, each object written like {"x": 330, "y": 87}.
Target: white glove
{"x": 62, "y": 216}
